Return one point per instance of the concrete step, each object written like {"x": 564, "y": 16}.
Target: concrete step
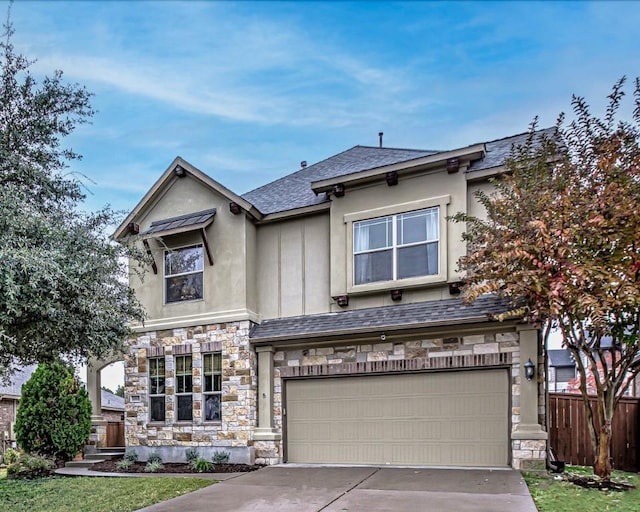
{"x": 82, "y": 463}
{"x": 103, "y": 456}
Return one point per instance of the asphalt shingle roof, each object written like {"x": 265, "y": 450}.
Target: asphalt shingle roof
{"x": 560, "y": 357}
{"x": 181, "y": 221}
{"x": 294, "y": 191}
{"x": 497, "y": 151}
{"x": 403, "y": 315}
{"x": 14, "y": 386}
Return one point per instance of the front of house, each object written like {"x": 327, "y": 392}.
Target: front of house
{"x": 317, "y": 319}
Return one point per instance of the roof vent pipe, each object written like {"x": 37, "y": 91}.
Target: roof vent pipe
{"x": 303, "y": 164}
{"x": 380, "y": 134}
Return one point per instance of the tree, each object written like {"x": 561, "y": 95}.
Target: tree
{"x": 63, "y": 283}
{"x": 54, "y": 417}
{"x": 120, "y": 391}
{"x": 561, "y": 238}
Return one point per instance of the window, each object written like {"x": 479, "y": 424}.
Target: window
{"x": 212, "y": 386}
{"x": 396, "y": 247}
{"x": 156, "y": 389}
{"x": 184, "y": 387}
{"x": 183, "y": 269}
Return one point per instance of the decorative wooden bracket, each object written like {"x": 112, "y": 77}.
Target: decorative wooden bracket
{"x": 153, "y": 261}
{"x": 205, "y": 242}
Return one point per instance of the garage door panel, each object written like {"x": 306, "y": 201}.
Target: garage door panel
{"x": 439, "y": 418}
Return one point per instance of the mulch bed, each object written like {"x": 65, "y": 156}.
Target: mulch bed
{"x": 110, "y": 466}
{"x": 601, "y": 485}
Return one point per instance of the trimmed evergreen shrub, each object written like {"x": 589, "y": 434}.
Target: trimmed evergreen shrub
{"x": 54, "y": 416}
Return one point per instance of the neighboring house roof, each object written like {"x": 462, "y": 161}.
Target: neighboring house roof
{"x": 112, "y": 402}
{"x": 560, "y": 358}
{"x": 389, "y": 318}
{"x": 14, "y": 387}
{"x": 497, "y": 151}
{"x": 294, "y": 190}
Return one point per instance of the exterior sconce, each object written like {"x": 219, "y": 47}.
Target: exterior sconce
{"x": 234, "y": 208}
{"x": 529, "y": 369}
{"x": 396, "y": 295}
{"x": 453, "y": 165}
{"x": 338, "y": 190}
{"x": 342, "y": 300}
{"x": 392, "y": 178}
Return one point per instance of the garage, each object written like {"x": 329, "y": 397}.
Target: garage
{"x": 443, "y": 419}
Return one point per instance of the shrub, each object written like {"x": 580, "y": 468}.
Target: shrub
{"x": 131, "y": 456}
{"x": 220, "y": 457}
{"x": 155, "y": 457}
{"x": 192, "y": 455}
{"x": 54, "y": 417}
{"x": 152, "y": 467}
{"x": 200, "y": 465}
{"x": 30, "y": 466}
{"x": 124, "y": 464}
{"x": 10, "y": 456}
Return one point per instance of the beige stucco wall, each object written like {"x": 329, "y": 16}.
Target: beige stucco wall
{"x": 229, "y": 289}
{"x": 446, "y": 190}
{"x": 293, "y": 267}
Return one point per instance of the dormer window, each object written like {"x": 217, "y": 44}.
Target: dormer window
{"x": 183, "y": 272}
{"x": 396, "y": 247}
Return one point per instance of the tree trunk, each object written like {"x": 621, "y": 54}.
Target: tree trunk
{"x": 602, "y": 465}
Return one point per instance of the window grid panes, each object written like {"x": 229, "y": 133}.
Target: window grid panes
{"x": 156, "y": 389}
{"x": 184, "y": 387}
{"x": 212, "y": 375}
{"x": 183, "y": 271}
{"x": 396, "y": 247}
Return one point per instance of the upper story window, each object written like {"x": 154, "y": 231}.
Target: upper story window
{"x": 156, "y": 389}
{"x": 183, "y": 271}
{"x": 184, "y": 387}
{"x": 396, "y": 246}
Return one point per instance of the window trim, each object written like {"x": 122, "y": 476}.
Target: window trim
{"x": 165, "y": 276}
{"x": 206, "y": 393}
{"x": 441, "y": 202}
{"x": 176, "y": 393}
{"x": 157, "y": 395}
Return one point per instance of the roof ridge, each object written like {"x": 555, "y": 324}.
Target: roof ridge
{"x": 517, "y": 135}
{"x": 402, "y": 149}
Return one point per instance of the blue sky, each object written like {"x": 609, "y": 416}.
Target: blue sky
{"x": 246, "y": 90}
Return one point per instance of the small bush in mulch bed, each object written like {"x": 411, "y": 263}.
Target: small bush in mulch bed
{"x": 111, "y": 466}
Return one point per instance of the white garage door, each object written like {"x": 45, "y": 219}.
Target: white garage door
{"x": 452, "y": 419}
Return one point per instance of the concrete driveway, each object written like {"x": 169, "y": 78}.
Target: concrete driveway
{"x": 291, "y": 488}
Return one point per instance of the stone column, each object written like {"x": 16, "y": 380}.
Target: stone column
{"x": 265, "y": 431}
{"x": 98, "y": 436}
{"x": 528, "y": 439}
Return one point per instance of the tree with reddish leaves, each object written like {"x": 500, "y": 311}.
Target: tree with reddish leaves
{"x": 561, "y": 238}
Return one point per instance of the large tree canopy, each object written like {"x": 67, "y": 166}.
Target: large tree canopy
{"x": 561, "y": 237}
{"x": 63, "y": 286}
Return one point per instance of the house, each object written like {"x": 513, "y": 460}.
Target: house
{"x": 317, "y": 319}
{"x": 562, "y": 369}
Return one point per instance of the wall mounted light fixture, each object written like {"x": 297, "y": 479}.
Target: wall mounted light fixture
{"x": 529, "y": 369}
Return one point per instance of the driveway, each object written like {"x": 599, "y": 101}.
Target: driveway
{"x": 291, "y": 488}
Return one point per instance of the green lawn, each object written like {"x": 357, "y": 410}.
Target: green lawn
{"x": 553, "y": 496}
{"x": 91, "y": 494}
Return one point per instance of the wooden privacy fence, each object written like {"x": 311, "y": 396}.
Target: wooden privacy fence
{"x": 569, "y": 434}
{"x": 115, "y": 434}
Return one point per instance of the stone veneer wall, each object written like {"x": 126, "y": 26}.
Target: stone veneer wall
{"x": 171, "y": 438}
{"x": 7, "y": 414}
{"x": 479, "y": 350}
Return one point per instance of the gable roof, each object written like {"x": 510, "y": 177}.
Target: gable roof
{"x": 294, "y": 190}
{"x": 14, "y": 387}
{"x": 111, "y": 402}
{"x": 387, "y": 318}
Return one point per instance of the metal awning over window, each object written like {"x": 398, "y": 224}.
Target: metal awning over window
{"x": 197, "y": 221}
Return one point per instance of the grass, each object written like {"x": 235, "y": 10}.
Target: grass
{"x": 552, "y": 495}
{"x": 91, "y": 494}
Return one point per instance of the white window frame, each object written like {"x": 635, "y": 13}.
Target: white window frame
{"x": 205, "y": 393}
{"x": 167, "y": 276}
{"x": 440, "y": 277}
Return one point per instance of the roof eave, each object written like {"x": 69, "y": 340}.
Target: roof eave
{"x": 465, "y": 154}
